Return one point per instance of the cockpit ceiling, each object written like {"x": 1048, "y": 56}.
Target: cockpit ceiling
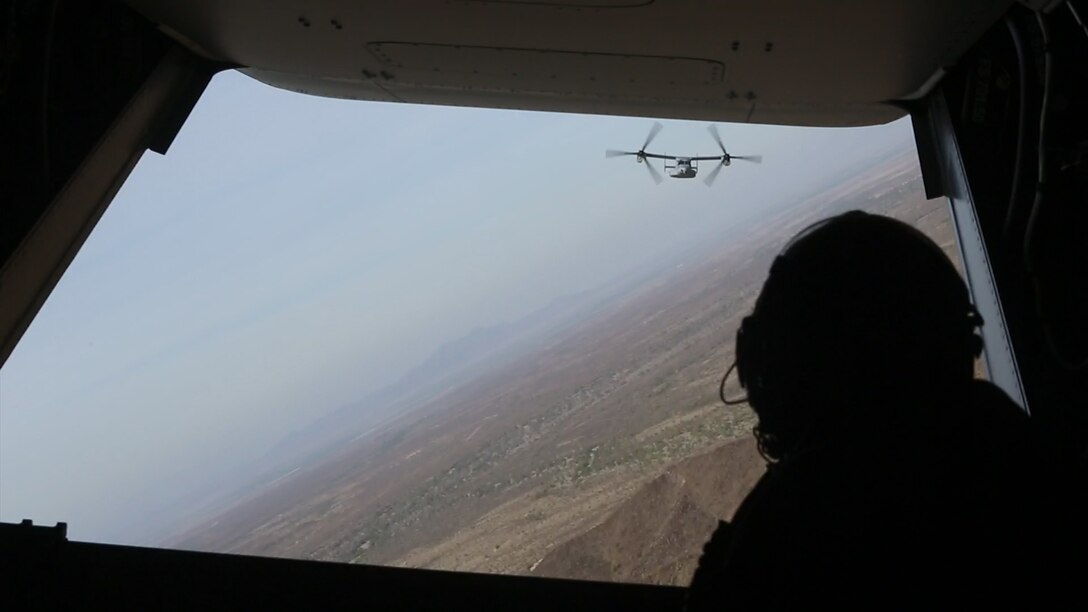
{"x": 794, "y": 62}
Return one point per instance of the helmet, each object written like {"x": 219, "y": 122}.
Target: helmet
{"x": 857, "y": 307}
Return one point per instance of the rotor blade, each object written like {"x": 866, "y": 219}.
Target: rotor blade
{"x": 755, "y": 159}
{"x": 717, "y": 138}
{"x": 615, "y": 153}
{"x": 709, "y": 180}
{"x": 654, "y": 129}
{"x": 654, "y": 174}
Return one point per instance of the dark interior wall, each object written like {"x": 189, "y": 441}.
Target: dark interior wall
{"x": 1018, "y": 98}
{"x": 68, "y": 69}
{"x": 87, "y": 87}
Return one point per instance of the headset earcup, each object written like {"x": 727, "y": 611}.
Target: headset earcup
{"x": 744, "y": 352}
{"x": 976, "y": 345}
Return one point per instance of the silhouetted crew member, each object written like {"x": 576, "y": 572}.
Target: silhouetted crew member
{"x": 895, "y": 479}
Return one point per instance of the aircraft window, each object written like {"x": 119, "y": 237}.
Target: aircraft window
{"x": 502, "y": 358}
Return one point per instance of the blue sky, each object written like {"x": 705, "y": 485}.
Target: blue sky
{"x": 291, "y": 253}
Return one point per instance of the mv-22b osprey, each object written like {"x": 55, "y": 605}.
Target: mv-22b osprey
{"x": 683, "y": 167}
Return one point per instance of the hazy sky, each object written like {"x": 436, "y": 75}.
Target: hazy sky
{"x": 291, "y": 253}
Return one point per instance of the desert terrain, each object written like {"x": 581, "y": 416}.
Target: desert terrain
{"x": 603, "y": 453}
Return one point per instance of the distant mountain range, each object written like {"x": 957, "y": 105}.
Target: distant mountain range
{"x": 452, "y": 364}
